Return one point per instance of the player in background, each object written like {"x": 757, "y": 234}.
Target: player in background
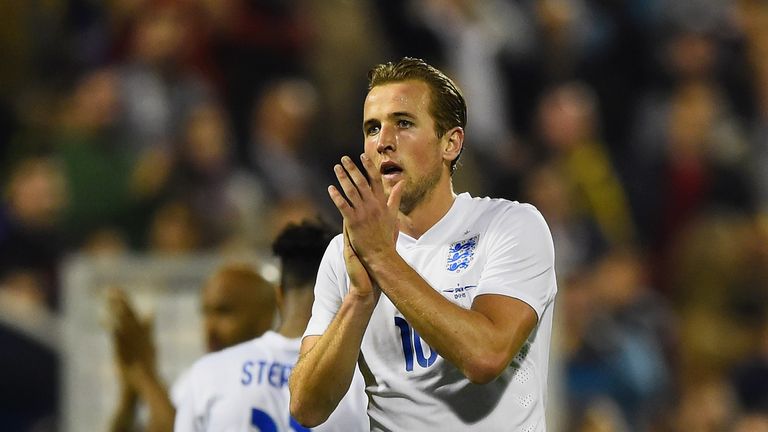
{"x": 237, "y": 304}
{"x": 246, "y": 386}
{"x": 445, "y": 301}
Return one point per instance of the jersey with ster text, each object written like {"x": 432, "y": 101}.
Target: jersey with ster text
{"x": 245, "y": 388}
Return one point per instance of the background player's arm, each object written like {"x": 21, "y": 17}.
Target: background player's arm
{"x": 124, "y": 416}
{"x": 136, "y": 360}
{"x": 154, "y": 393}
{"x": 327, "y": 363}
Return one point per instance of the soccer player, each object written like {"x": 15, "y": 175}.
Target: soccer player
{"x": 246, "y": 386}
{"x": 238, "y": 305}
{"x": 445, "y": 301}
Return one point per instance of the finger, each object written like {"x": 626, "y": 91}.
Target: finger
{"x": 373, "y": 174}
{"x": 341, "y": 203}
{"x": 356, "y": 175}
{"x": 124, "y": 306}
{"x": 393, "y": 202}
{"x": 119, "y": 315}
{"x": 115, "y": 298}
{"x": 130, "y": 316}
{"x": 129, "y": 323}
{"x": 346, "y": 183}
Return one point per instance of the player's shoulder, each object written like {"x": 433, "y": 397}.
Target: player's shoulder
{"x": 501, "y": 208}
{"x": 335, "y": 246}
{"x": 337, "y": 242}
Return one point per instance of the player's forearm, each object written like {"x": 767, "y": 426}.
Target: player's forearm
{"x": 322, "y": 375}
{"x": 465, "y": 337}
{"x": 124, "y": 417}
{"x": 155, "y": 395}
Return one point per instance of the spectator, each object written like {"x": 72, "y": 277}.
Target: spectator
{"x": 156, "y": 86}
{"x": 577, "y": 236}
{"x": 620, "y": 346}
{"x": 227, "y": 200}
{"x": 106, "y": 184}
{"x": 279, "y": 148}
{"x": 569, "y": 130}
{"x": 30, "y": 226}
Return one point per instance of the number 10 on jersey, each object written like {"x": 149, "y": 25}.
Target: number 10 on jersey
{"x": 412, "y": 343}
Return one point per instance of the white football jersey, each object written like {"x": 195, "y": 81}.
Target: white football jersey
{"x": 245, "y": 388}
{"x": 481, "y": 246}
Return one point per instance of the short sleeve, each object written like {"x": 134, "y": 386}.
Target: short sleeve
{"x": 520, "y": 258}
{"x": 330, "y": 285}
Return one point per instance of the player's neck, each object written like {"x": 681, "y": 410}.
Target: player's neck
{"x": 429, "y": 211}
{"x": 295, "y": 313}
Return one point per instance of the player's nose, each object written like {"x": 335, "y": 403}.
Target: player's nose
{"x": 387, "y": 139}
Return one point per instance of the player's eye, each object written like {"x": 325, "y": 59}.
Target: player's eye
{"x": 372, "y": 130}
{"x": 404, "y": 123}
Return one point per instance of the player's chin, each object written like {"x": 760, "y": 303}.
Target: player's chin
{"x": 390, "y": 180}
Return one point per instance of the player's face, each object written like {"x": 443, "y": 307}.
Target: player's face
{"x": 231, "y": 315}
{"x": 400, "y": 139}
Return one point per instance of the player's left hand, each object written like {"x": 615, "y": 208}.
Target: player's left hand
{"x": 370, "y": 216}
{"x": 360, "y": 283}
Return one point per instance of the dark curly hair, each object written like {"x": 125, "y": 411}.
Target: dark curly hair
{"x": 300, "y": 248}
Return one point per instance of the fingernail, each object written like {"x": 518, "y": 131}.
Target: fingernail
{"x": 364, "y": 157}
{"x": 346, "y": 159}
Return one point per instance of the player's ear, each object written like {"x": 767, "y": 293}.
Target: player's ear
{"x": 453, "y": 141}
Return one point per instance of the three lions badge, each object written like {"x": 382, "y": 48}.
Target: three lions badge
{"x": 461, "y": 254}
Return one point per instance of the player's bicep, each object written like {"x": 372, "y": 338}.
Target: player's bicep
{"x": 512, "y": 319}
{"x": 329, "y": 285}
{"x": 520, "y": 261}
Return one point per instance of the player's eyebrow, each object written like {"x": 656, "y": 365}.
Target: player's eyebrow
{"x": 396, "y": 114}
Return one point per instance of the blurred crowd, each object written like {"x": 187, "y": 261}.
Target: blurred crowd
{"x": 639, "y": 128}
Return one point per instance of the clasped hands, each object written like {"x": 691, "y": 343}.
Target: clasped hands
{"x": 132, "y": 338}
{"x": 370, "y": 218}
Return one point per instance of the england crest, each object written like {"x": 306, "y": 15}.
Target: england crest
{"x": 461, "y": 254}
